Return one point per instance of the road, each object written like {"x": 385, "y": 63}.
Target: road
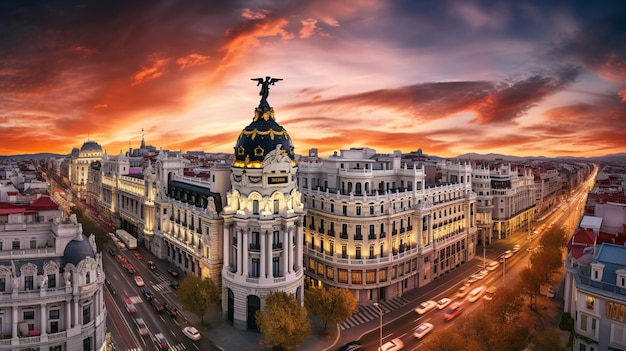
{"x": 567, "y": 215}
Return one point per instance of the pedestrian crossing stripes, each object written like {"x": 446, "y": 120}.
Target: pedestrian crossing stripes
{"x": 177, "y": 347}
{"x": 370, "y": 312}
{"x": 158, "y": 287}
{"x": 135, "y": 299}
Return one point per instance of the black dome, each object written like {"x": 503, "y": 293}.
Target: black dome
{"x": 77, "y": 250}
{"x": 259, "y": 138}
{"x": 91, "y": 146}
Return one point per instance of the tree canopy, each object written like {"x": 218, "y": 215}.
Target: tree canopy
{"x": 332, "y": 305}
{"x": 197, "y": 295}
{"x": 283, "y": 320}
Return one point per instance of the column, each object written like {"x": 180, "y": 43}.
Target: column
{"x": 289, "y": 248}
{"x": 68, "y": 315}
{"x": 270, "y": 255}
{"x": 76, "y": 321}
{"x": 262, "y": 262}
{"x": 244, "y": 255}
{"x": 42, "y": 316}
{"x": 286, "y": 252}
{"x": 14, "y": 321}
{"x": 239, "y": 251}
{"x": 227, "y": 246}
{"x": 299, "y": 246}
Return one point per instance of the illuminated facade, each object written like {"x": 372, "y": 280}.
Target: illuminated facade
{"x": 263, "y": 221}
{"x": 375, "y": 227}
{"x": 89, "y": 153}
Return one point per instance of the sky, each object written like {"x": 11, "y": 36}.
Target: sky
{"x": 524, "y": 78}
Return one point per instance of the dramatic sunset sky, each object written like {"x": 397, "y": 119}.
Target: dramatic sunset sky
{"x": 523, "y": 78}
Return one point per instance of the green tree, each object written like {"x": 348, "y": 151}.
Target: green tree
{"x": 283, "y": 320}
{"x": 197, "y": 295}
{"x": 332, "y": 305}
{"x": 530, "y": 284}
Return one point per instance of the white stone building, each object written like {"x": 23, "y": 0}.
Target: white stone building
{"x": 51, "y": 281}
{"x": 374, "y": 227}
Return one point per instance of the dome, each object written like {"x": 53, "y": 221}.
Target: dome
{"x": 76, "y": 251}
{"x": 259, "y": 138}
{"x": 91, "y": 146}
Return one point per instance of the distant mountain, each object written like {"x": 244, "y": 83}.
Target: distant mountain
{"x": 39, "y": 156}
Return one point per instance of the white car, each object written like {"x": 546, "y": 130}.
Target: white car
{"x": 392, "y": 345}
{"x": 441, "y": 304}
{"x": 481, "y": 274}
{"x": 493, "y": 265}
{"x": 476, "y": 293}
{"x": 192, "y": 333}
{"x": 425, "y": 306}
{"x": 516, "y": 248}
{"x": 423, "y": 329}
{"x": 507, "y": 254}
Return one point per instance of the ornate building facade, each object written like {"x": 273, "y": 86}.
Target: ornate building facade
{"x": 51, "y": 280}
{"x": 263, "y": 220}
{"x": 89, "y": 153}
{"x": 373, "y": 226}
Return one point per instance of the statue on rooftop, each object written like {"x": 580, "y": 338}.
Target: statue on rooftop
{"x": 265, "y": 88}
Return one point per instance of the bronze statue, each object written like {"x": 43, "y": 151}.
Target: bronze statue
{"x": 265, "y": 88}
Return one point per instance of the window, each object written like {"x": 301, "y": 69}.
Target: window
{"x": 256, "y": 266}
{"x": 52, "y": 280}
{"x": 255, "y": 207}
{"x": 29, "y": 314}
{"x": 370, "y": 277}
{"x": 345, "y": 210}
{"x": 357, "y": 277}
{"x": 330, "y": 272}
{"x": 343, "y": 275}
{"x": 87, "y": 277}
{"x": 16, "y": 244}
{"x": 358, "y": 210}
{"x": 276, "y": 266}
{"x": 86, "y": 314}
{"x": 87, "y": 344}
{"x": 276, "y": 206}
{"x": 33, "y": 243}
{"x": 276, "y": 240}
{"x": 358, "y": 252}
{"x": 590, "y": 302}
{"x": 3, "y": 284}
{"x": 53, "y": 314}
{"x": 28, "y": 282}
{"x": 371, "y": 210}
{"x": 344, "y": 251}
{"x": 382, "y": 275}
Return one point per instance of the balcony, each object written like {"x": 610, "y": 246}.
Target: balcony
{"x": 254, "y": 247}
{"x": 331, "y": 233}
{"x": 343, "y": 235}
{"x": 371, "y": 237}
{"x": 358, "y": 237}
{"x": 277, "y": 246}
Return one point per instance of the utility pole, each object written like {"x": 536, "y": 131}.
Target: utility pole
{"x": 380, "y": 313}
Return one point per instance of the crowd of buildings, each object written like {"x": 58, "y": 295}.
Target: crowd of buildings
{"x": 264, "y": 219}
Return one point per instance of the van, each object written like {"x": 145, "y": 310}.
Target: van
{"x": 476, "y": 293}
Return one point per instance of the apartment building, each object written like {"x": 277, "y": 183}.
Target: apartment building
{"x": 51, "y": 280}
{"x": 375, "y": 227}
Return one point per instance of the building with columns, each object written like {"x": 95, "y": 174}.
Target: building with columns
{"x": 89, "y": 153}
{"x": 374, "y": 226}
{"x": 263, "y": 220}
{"x": 51, "y": 281}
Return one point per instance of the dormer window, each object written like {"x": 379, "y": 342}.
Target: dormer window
{"x": 620, "y": 278}
{"x": 596, "y": 271}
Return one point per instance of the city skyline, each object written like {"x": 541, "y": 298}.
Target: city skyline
{"x": 524, "y": 78}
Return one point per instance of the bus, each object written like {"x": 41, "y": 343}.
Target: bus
{"x": 125, "y": 237}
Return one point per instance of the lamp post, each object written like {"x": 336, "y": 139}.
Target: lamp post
{"x": 380, "y": 313}
{"x": 503, "y": 269}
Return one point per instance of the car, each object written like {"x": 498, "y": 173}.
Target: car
{"x": 351, "y": 346}
{"x": 147, "y": 294}
{"x": 453, "y": 311}
{"x": 139, "y": 280}
{"x": 392, "y": 345}
{"x": 112, "y": 252}
{"x": 441, "y": 304}
{"x": 493, "y": 265}
{"x": 173, "y": 272}
{"x": 171, "y": 310}
{"x": 138, "y": 255}
{"x": 471, "y": 279}
{"x": 463, "y": 290}
{"x": 129, "y": 268}
{"x": 425, "y": 306}
{"x": 507, "y": 254}
{"x": 516, "y": 248}
{"x": 157, "y": 305}
{"x": 192, "y": 333}
{"x": 130, "y": 307}
{"x": 174, "y": 284}
{"x": 160, "y": 341}
{"x": 476, "y": 293}
{"x": 152, "y": 266}
{"x": 142, "y": 329}
{"x": 423, "y": 329}
{"x": 490, "y": 293}
{"x": 550, "y": 292}
{"x": 481, "y": 273}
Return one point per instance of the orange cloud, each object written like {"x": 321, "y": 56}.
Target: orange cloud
{"x": 622, "y": 95}
{"x": 308, "y": 28}
{"x": 101, "y": 106}
{"x": 149, "y": 73}
{"x": 192, "y": 60}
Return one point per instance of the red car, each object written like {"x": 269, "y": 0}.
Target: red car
{"x": 453, "y": 311}
{"x": 130, "y": 307}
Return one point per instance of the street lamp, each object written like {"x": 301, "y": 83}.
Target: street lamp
{"x": 380, "y": 313}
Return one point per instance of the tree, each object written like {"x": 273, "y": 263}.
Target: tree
{"x": 332, "y": 305}
{"x": 505, "y": 305}
{"x": 530, "y": 283}
{"x": 283, "y": 320}
{"x": 197, "y": 295}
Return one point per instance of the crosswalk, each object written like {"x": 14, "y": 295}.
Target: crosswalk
{"x": 177, "y": 347}
{"x": 367, "y": 313}
{"x": 136, "y": 299}
{"x": 158, "y": 287}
